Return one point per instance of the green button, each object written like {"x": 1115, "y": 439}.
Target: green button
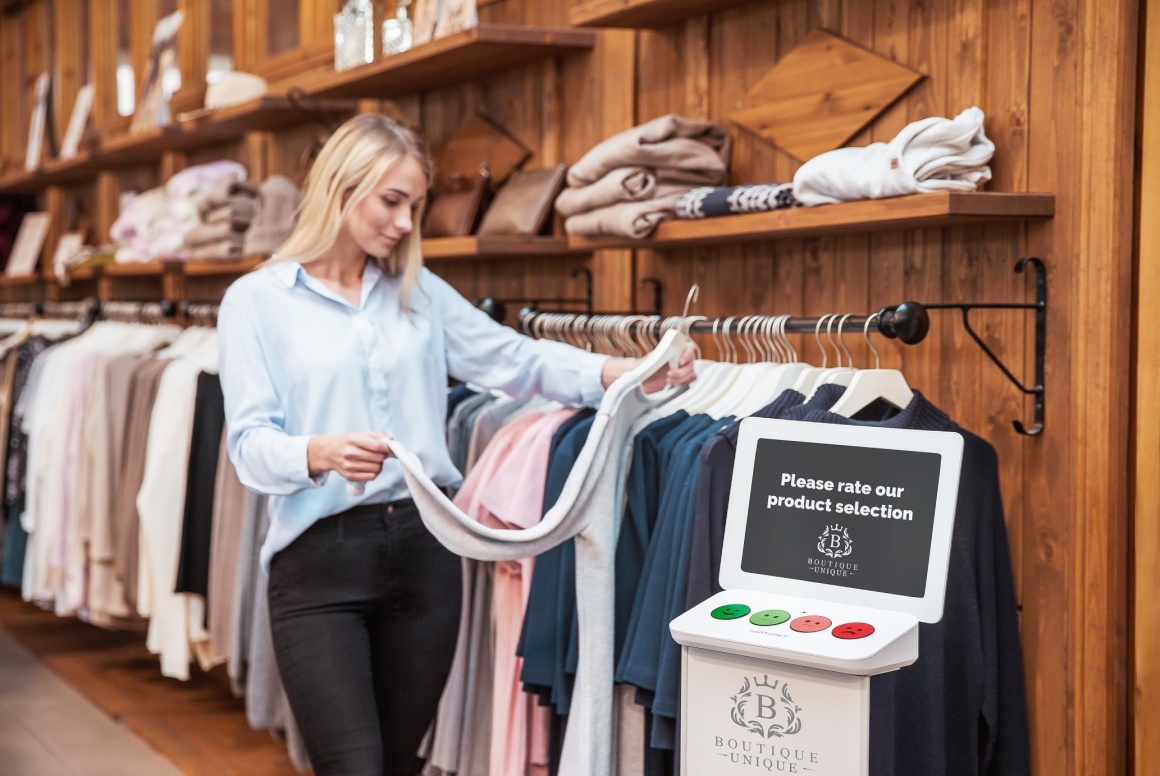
{"x": 770, "y": 617}
{"x": 730, "y": 611}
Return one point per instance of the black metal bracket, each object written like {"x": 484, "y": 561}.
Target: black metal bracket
{"x": 909, "y": 323}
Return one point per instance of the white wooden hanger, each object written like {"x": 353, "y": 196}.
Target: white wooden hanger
{"x": 779, "y": 377}
{"x": 747, "y": 376}
{"x": 808, "y": 379}
{"x": 839, "y": 375}
{"x": 870, "y": 385}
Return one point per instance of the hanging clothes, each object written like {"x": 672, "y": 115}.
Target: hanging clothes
{"x": 115, "y": 482}
{"x": 667, "y": 559}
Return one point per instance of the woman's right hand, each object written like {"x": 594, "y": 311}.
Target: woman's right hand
{"x": 356, "y": 457}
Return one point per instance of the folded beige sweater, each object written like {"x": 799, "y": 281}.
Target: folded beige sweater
{"x": 204, "y": 234}
{"x": 217, "y": 194}
{"x": 274, "y": 221}
{"x": 635, "y": 220}
{"x": 222, "y": 250}
{"x": 679, "y": 149}
{"x": 239, "y": 211}
{"x": 625, "y": 184}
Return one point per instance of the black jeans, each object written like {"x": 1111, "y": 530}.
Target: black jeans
{"x": 364, "y": 610}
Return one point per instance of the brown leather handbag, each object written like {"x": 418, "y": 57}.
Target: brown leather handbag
{"x": 524, "y": 204}
{"x": 455, "y": 211}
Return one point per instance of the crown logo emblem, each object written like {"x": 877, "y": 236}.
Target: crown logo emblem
{"x": 835, "y": 542}
{"x": 775, "y": 715}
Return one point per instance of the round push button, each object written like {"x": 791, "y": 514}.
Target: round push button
{"x": 770, "y": 617}
{"x": 730, "y": 611}
{"x": 811, "y": 623}
{"x": 853, "y": 630}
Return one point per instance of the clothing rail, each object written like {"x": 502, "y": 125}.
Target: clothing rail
{"x": 18, "y": 309}
{"x": 497, "y": 308}
{"x": 908, "y": 322}
{"x": 200, "y": 313}
{"x": 136, "y": 312}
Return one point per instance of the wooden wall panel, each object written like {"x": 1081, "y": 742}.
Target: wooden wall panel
{"x": 1146, "y": 407}
{"x": 12, "y": 123}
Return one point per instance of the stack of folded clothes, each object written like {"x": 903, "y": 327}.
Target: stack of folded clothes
{"x": 631, "y": 182}
{"x": 226, "y": 209}
{"x": 278, "y": 199}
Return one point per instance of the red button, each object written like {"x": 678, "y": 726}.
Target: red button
{"x": 854, "y": 630}
{"x": 811, "y": 623}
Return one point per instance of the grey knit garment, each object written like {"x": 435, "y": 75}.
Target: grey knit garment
{"x": 589, "y": 509}
{"x": 278, "y": 198}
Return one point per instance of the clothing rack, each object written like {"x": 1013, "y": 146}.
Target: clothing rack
{"x": 908, "y": 322}
{"x": 136, "y": 312}
{"x": 18, "y": 309}
{"x": 497, "y": 308}
{"x": 200, "y": 313}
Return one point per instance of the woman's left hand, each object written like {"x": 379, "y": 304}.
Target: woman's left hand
{"x": 682, "y": 374}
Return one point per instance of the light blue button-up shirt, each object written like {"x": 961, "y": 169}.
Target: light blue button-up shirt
{"x": 298, "y": 360}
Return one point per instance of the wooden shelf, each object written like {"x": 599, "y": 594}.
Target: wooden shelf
{"x": 451, "y": 248}
{"x": 7, "y": 281}
{"x": 270, "y": 112}
{"x": 463, "y": 56}
{"x": 19, "y": 181}
{"x": 59, "y": 171}
{"x": 643, "y": 13}
{"x": 86, "y": 272}
{"x": 196, "y": 269}
{"x": 917, "y": 211}
{"x": 262, "y": 114}
{"x": 137, "y": 269}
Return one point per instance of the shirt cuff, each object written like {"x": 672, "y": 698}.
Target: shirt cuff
{"x": 591, "y": 388}
{"x": 318, "y": 480}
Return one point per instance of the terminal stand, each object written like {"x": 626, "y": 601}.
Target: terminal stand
{"x": 776, "y": 669}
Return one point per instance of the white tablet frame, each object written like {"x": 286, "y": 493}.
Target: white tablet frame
{"x": 948, "y": 445}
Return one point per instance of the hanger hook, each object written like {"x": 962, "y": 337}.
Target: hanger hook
{"x": 778, "y": 330}
{"x": 762, "y": 340}
{"x": 694, "y": 294}
{"x": 818, "y": 338}
{"x": 842, "y": 340}
{"x": 730, "y": 354}
{"x": 833, "y": 317}
{"x": 869, "y": 344}
{"x": 644, "y": 331}
{"x": 687, "y": 329}
{"x": 742, "y": 333}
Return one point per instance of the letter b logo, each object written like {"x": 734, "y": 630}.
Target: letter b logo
{"x": 766, "y": 703}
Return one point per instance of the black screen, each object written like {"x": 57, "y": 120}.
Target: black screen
{"x": 820, "y": 531}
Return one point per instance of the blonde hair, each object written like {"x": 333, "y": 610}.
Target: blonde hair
{"x": 354, "y": 160}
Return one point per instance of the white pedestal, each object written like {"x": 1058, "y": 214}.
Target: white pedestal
{"x": 743, "y": 716}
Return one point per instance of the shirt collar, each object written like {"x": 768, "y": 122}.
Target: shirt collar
{"x": 290, "y": 272}
{"x": 287, "y": 272}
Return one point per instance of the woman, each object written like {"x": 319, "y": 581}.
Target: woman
{"x": 340, "y": 340}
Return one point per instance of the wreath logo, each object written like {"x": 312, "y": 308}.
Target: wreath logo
{"x": 776, "y": 707}
{"x": 835, "y": 542}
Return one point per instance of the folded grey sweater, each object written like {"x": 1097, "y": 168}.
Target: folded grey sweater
{"x": 679, "y": 149}
{"x": 589, "y": 510}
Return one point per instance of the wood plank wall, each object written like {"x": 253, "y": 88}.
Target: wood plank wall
{"x": 1057, "y": 80}
{"x": 1145, "y": 542}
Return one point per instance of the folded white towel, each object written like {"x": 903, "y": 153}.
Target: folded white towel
{"x": 934, "y": 154}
